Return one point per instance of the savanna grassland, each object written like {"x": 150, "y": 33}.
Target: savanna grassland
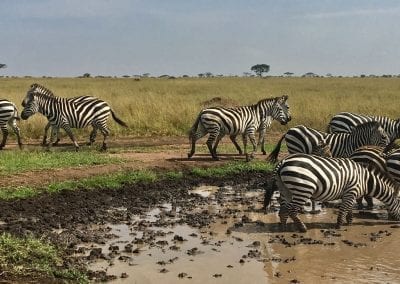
{"x": 169, "y": 106}
{"x": 58, "y": 190}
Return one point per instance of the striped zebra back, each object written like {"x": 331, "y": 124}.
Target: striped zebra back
{"x": 345, "y": 122}
{"x": 370, "y": 156}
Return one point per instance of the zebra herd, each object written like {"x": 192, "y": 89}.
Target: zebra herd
{"x": 65, "y": 113}
{"x": 352, "y": 160}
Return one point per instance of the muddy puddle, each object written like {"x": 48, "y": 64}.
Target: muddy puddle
{"x": 226, "y": 238}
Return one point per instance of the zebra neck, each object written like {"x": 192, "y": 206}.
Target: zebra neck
{"x": 48, "y": 105}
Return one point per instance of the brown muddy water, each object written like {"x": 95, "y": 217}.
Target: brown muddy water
{"x": 228, "y": 239}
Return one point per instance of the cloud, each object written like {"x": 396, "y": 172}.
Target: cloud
{"x": 354, "y": 13}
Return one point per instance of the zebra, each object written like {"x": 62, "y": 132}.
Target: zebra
{"x": 67, "y": 114}
{"x": 302, "y": 176}
{"x": 319, "y": 149}
{"x": 9, "y": 116}
{"x": 369, "y": 156}
{"x": 346, "y": 121}
{"x": 245, "y": 120}
{"x": 299, "y": 138}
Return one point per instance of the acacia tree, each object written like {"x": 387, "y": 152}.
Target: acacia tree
{"x": 259, "y": 69}
{"x": 2, "y": 65}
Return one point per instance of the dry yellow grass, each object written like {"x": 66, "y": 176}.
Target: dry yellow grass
{"x": 169, "y": 107}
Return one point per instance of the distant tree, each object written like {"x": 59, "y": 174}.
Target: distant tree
{"x": 329, "y": 75}
{"x": 246, "y": 74}
{"x": 125, "y": 76}
{"x": 201, "y": 75}
{"x": 3, "y": 65}
{"x": 259, "y": 69}
{"x": 86, "y": 75}
{"x": 208, "y": 74}
{"x": 288, "y": 74}
{"x": 145, "y": 75}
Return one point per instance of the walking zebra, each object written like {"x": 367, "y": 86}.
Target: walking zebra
{"x": 9, "y": 115}
{"x": 245, "y": 120}
{"x": 299, "y": 140}
{"x": 67, "y": 114}
{"x": 346, "y": 121}
{"x": 301, "y": 177}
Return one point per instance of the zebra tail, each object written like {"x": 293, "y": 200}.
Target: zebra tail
{"x": 269, "y": 191}
{"x": 16, "y": 114}
{"x": 194, "y": 127}
{"x": 273, "y": 156}
{"x": 119, "y": 121}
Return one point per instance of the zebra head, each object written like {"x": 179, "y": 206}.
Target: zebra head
{"x": 30, "y": 102}
{"x": 277, "y": 108}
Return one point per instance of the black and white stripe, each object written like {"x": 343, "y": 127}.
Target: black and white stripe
{"x": 300, "y": 139}
{"x": 245, "y": 120}
{"x": 67, "y": 114}
{"x": 301, "y": 177}
{"x": 9, "y": 116}
{"x": 345, "y": 122}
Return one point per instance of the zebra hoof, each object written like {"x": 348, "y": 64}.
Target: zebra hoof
{"x": 189, "y": 155}
{"x": 264, "y": 153}
{"x": 215, "y": 158}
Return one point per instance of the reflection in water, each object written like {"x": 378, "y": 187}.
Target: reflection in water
{"x": 244, "y": 245}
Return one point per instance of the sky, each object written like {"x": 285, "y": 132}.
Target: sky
{"x": 67, "y": 38}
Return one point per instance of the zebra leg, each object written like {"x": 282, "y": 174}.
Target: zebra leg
{"x": 106, "y": 132}
{"x": 68, "y": 130}
{"x": 233, "y": 139}
{"x": 293, "y": 213}
{"x": 370, "y": 202}
{"x": 261, "y": 140}
{"x": 92, "y": 137}
{"x": 210, "y": 142}
{"x": 359, "y": 201}
{"x": 283, "y": 215}
{"x": 216, "y": 143}
{"x": 4, "y": 130}
{"x": 16, "y": 130}
{"x": 349, "y": 217}
{"x": 345, "y": 208}
{"x": 253, "y": 142}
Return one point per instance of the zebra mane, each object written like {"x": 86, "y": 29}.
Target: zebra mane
{"x": 41, "y": 90}
{"x": 268, "y": 100}
{"x": 366, "y": 125}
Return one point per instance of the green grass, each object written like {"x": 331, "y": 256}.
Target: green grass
{"x": 20, "y": 161}
{"x": 29, "y": 257}
{"x": 118, "y": 179}
{"x": 233, "y": 168}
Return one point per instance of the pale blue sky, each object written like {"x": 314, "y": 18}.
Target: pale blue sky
{"x": 121, "y": 37}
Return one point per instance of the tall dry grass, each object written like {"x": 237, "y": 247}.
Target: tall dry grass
{"x": 169, "y": 107}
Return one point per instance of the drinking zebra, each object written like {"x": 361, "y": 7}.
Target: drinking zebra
{"x": 319, "y": 149}
{"x": 387, "y": 161}
{"x": 346, "y": 121}
{"x": 245, "y": 120}
{"x": 9, "y": 116}
{"x": 299, "y": 140}
{"x": 301, "y": 177}
{"x": 67, "y": 114}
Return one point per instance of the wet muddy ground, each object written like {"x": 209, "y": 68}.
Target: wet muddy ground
{"x": 206, "y": 231}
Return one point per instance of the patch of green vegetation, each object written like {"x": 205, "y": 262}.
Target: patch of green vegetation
{"x": 34, "y": 258}
{"x": 20, "y": 161}
{"x": 118, "y": 179}
{"x": 233, "y": 168}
